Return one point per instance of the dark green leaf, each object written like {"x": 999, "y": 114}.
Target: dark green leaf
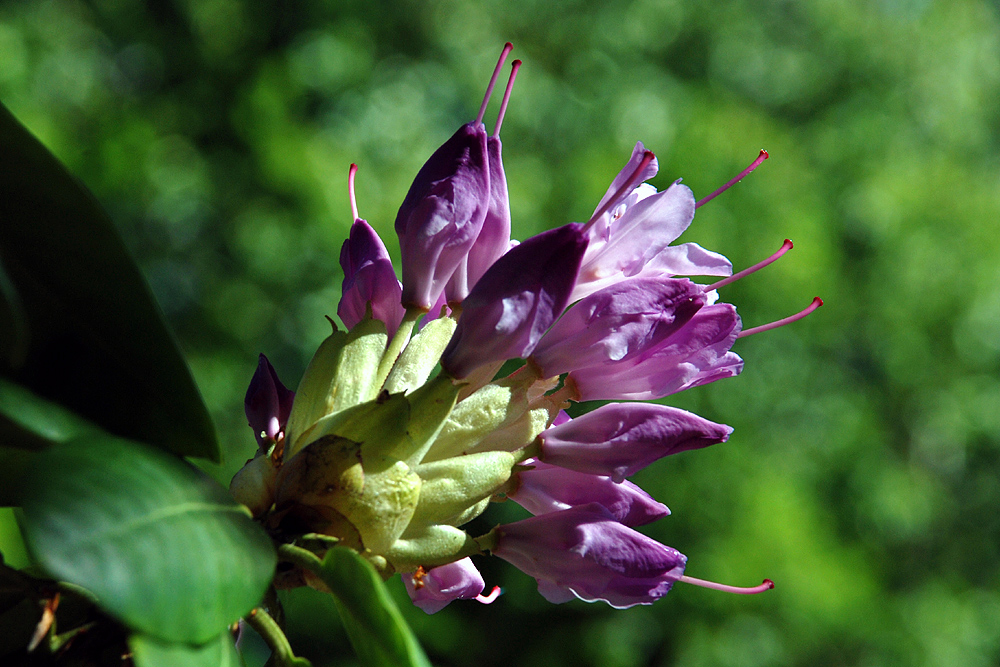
{"x": 30, "y": 422}
{"x": 163, "y": 547}
{"x": 150, "y": 652}
{"x": 96, "y": 341}
{"x": 378, "y": 632}
{"x": 13, "y": 325}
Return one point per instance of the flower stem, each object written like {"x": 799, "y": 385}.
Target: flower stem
{"x": 301, "y": 557}
{"x": 271, "y": 633}
{"x": 397, "y": 344}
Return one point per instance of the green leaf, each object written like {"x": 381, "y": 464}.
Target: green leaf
{"x": 163, "y": 547}
{"x": 30, "y": 422}
{"x": 377, "y": 630}
{"x": 150, "y": 652}
{"x": 95, "y": 339}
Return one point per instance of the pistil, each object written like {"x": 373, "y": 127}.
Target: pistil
{"x": 488, "y": 599}
{"x": 514, "y": 66}
{"x": 753, "y": 165}
{"x": 493, "y": 80}
{"x": 816, "y": 303}
{"x": 785, "y": 247}
{"x": 350, "y": 191}
{"x": 766, "y": 585}
{"x": 626, "y": 188}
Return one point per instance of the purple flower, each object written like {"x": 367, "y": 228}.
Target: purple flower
{"x": 696, "y": 354}
{"x": 584, "y": 552}
{"x": 442, "y": 214}
{"x": 368, "y": 279}
{"x": 494, "y": 237}
{"x": 547, "y": 488}
{"x": 617, "y": 323}
{"x": 267, "y": 404}
{"x": 632, "y": 236}
{"x": 620, "y": 439}
{"x": 516, "y": 300}
{"x": 434, "y": 589}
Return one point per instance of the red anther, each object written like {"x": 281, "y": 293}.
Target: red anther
{"x": 753, "y": 165}
{"x": 785, "y": 247}
{"x": 493, "y": 80}
{"x": 488, "y": 599}
{"x": 514, "y": 66}
{"x": 816, "y": 303}
{"x": 350, "y": 191}
{"x": 626, "y": 188}
{"x": 740, "y": 590}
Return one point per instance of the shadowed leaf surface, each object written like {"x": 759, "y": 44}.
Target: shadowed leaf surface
{"x": 164, "y": 548}
{"x": 80, "y": 325}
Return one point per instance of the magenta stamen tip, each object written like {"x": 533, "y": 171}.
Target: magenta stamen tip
{"x": 816, "y": 303}
{"x": 350, "y": 191}
{"x": 494, "y": 594}
{"x": 739, "y": 177}
{"x": 493, "y": 80}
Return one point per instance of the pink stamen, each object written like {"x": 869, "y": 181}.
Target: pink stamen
{"x": 626, "y": 188}
{"x": 489, "y": 89}
{"x": 765, "y": 586}
{"x": 785, "y": 247}
{"x": 514, "y": 66}
{"x": 488, "y": 599}
{"x": 753, "y": 165}
{"x": 816, "y": 303}
{"x": 350, "y": 191}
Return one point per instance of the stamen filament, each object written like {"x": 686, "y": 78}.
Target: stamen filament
{"x": 753, "y": 165}
{"x": 514, "y": 66}
{"x": 350, "y": 191}
{"x": 489, "y": 89}
{"x": 765, "y": 586}
{"x": 488, "y": 599}
{"x": 785, "y": 247}
{"x": 816, "y": 303}
{"x": 626, "y": 187}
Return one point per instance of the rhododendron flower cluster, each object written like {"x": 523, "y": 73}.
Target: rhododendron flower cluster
{"x": 399, "y": 435}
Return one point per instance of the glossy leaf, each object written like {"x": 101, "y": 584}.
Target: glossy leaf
{"x": 377, "y": 630}
{"x": 163, "y": 547}
{"x": 150, "y": 652}
{"x": 30, "y": 422}
{"x": 96, "y": 340}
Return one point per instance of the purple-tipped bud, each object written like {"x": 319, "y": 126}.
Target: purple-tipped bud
{"x": 368, "y": 279}
{"x": 547, "y": 488}
{"x": 617, "y": 323}
{"x": 620, "y": 439}
{"x": 267, "y": 404}
{"x": 434, "y": 589}
{"x": 516, "y": 301}
{"x": 494, "y": 237}
{"x": 696, "y": 354}
{"x": 584, "y": 552}
{"x": 442, "y": 214}
{"x": 632, "y": 238}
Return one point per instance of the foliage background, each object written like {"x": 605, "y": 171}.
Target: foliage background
{"x": 864, "y": 473}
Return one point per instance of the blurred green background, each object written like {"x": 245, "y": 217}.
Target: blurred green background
{"x": 864, "y": 472}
